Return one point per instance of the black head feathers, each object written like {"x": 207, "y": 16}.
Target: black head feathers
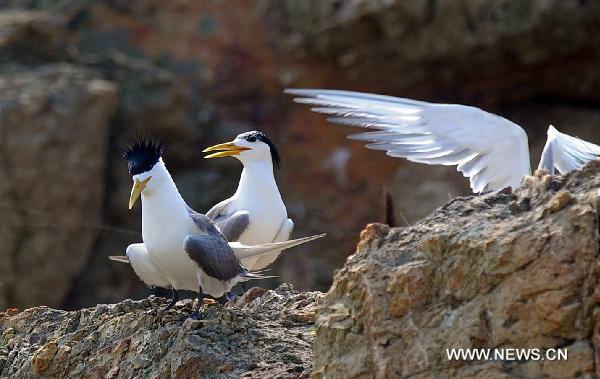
{"x": 143, "y": 154}
{"x": 253, "y": 136}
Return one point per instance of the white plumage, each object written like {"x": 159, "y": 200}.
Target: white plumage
{"x": 565, "y": 153}
{"x": 167, "y": 222}
{"x": 255, "y": 214}
{"x": 144, "y": 267}
{"x": 490, "y": 150}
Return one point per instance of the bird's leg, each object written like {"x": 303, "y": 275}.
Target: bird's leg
{"x": 233, "y": 294}
{"x": 225, "y": 298}
{"x": 196, "y": 314}
{"x": 174, "y": 298}
{"x": 229, "y": 296}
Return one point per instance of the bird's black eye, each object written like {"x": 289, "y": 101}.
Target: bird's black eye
{"x": 252, "y": 139}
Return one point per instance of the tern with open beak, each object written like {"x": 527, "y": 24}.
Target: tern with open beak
{"x": 182, "y": 249}
{"x": 488, "y": 149}
{"x": 255, "y": 214}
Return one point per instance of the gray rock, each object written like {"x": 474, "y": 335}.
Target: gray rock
{"x": 262, "y": 334}
{"x": 472, "y": 51}
{"x": 31, "y": 37}
{"x": 54, "y": 126}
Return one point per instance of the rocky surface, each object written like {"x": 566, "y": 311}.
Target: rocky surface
{"x": 198, "y": 72}
{"x": 503, "y": 270}
{"x": 498, "y": 271}
{"x": 263, "y": 334}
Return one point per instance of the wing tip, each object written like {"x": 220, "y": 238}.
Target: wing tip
{"x": 301, "y": 91}
{"x": 119, "y": 258}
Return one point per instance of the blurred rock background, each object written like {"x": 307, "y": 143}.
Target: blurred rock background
{"x": 79, "y": 79}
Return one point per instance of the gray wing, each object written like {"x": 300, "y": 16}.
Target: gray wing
{"x": 204, "y": 223}
{"x": 213, "y": 255}
{"x": 233, "y": 226}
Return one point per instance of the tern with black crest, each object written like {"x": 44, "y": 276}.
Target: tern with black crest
{"x": 182, "y": 249}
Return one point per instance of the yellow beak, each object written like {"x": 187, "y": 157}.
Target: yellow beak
{"x": 136, "y": 190}
{"x": 227, "y": 149}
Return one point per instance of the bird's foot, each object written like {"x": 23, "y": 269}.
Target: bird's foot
{"x": 174, "y": 299}
{"x": 196, "y": 316}
{"x": 229, "y": 296}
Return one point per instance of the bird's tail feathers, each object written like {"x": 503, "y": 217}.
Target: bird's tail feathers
{"x": 253, "y": 275}
{"x": 119, "y": 258}
{"x": 244, "y": 251}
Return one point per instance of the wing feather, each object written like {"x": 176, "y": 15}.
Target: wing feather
{"x": 565, "y": 153}
{"x": 213, "y": 255}
{"x": 490, "y": 150}
{"x": 219, "y": 210}
{"x": 233, "y": 226}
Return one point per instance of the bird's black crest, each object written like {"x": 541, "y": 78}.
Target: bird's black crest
{"x": 143, "y": 154}
{"x": 255, "y": 135}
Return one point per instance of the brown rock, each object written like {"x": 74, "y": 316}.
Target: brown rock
{"x": 495, "y": 50}
{"x": 121, "y": 340}
{"x": 53, "y": 138}
{"x": 12, "y": 311}
{"x": 31, "y": 36}
{"x": 42, "y": 358}
{"x": 472, "y": 275}
{"x": 407, "y": 286}
{"x": 197, "y": 73}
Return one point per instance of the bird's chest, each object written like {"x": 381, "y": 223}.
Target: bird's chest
{"x": 266, "y": 218}
{"x": 167, "y": 235}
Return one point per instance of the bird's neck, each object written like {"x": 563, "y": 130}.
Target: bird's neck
{"x": 162, "y": 201}
{"x": 257, "y": 177}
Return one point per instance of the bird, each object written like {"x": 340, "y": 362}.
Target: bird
{"x": 488, "y": 149}
{"x": 255, "y": 214}
{"x": 182, "y": 249}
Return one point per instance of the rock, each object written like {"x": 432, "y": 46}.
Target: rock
{"x": 30, "y": 37}
{"x": 255, "y": 340}
{"x": 197, "y": 73}
{"x": 504, "y": 270}
{"x": 43, "y": 357}
{"x": 54, "y": 127}
{"x": 493, "y": 51}
{"x": 474, "y": 274}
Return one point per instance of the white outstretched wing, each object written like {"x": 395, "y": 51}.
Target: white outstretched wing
{"x": 488, "y": 149}
{"x": 565, "y": 153}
